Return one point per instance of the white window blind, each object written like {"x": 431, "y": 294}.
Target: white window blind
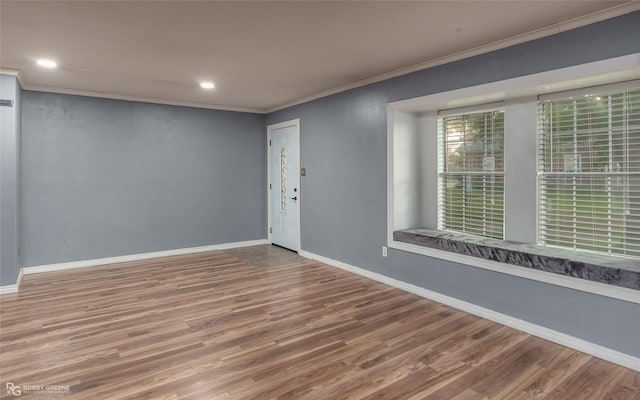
{"x": 589, "y": 173}
{"x": 471, "y": 173}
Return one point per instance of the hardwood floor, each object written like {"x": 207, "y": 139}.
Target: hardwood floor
{"x": 262, "y": 323}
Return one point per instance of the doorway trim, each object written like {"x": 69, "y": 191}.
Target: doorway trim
{"x": 286, "y": 124}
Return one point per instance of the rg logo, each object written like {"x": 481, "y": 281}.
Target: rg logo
{"x": 13, "y": 389}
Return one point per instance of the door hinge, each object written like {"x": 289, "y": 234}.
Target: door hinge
{"x": 269, "y": 142}
{"x": 270, "y": 230}
{"x": 269, "y": 186}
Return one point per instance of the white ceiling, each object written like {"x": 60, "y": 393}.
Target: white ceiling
{"x": 261, "y": 55}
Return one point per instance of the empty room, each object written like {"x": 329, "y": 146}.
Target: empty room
{"x": 320, "y": 200}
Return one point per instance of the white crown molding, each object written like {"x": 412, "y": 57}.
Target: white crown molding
{"x": 136, "y": 257}
{"x": 551, "y": 335}
{"x": 13, "y": 72}
{"x": 608, "y": 13}
{"x": 140, "y": 99}
{"x": 573, "y": 23}
{"x": 9, "y": 71}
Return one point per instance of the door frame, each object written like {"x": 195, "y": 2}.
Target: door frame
{"x": 286, "y": 124}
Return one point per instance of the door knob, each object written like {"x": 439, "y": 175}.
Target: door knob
{"x": 294, "y": 198}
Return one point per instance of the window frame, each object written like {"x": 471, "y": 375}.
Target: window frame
{"x": 602, "y": 90}
{"x": 521, "y": 91}
{"x": 442, "y": 165}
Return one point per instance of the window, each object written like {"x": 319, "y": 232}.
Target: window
{"x": 471, "y": 173}
{"x": 541, "y": 172}
{"x": 589, "y": 173}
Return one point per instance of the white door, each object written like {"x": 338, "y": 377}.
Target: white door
{"x": 284, "y": 184}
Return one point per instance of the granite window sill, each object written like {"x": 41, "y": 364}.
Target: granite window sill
{"x": 615, "y": 271}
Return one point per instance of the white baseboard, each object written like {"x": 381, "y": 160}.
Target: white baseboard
{"x": 19, "y": 278}
{"x": 563, "y": 339}
{"x": 8, "y": 289}
{"x": 136, "y": 257}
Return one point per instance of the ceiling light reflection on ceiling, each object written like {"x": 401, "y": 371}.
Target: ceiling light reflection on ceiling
{"x": 207, "y": 85}
{"x": 43, "y": 62}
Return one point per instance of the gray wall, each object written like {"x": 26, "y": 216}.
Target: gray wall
{"x": 343, "y": 148}
{"x": 10, "y": 121}
{"x": 106, "y": 178}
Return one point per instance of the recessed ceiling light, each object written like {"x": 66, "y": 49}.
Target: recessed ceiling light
{"x": 43, "y": 62}
{"x": 207, "y": 85}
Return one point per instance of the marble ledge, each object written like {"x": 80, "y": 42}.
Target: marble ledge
{"x": 616, "y": 271}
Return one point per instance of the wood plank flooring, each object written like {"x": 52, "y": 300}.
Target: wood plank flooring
{"x": 262, "y": 323}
